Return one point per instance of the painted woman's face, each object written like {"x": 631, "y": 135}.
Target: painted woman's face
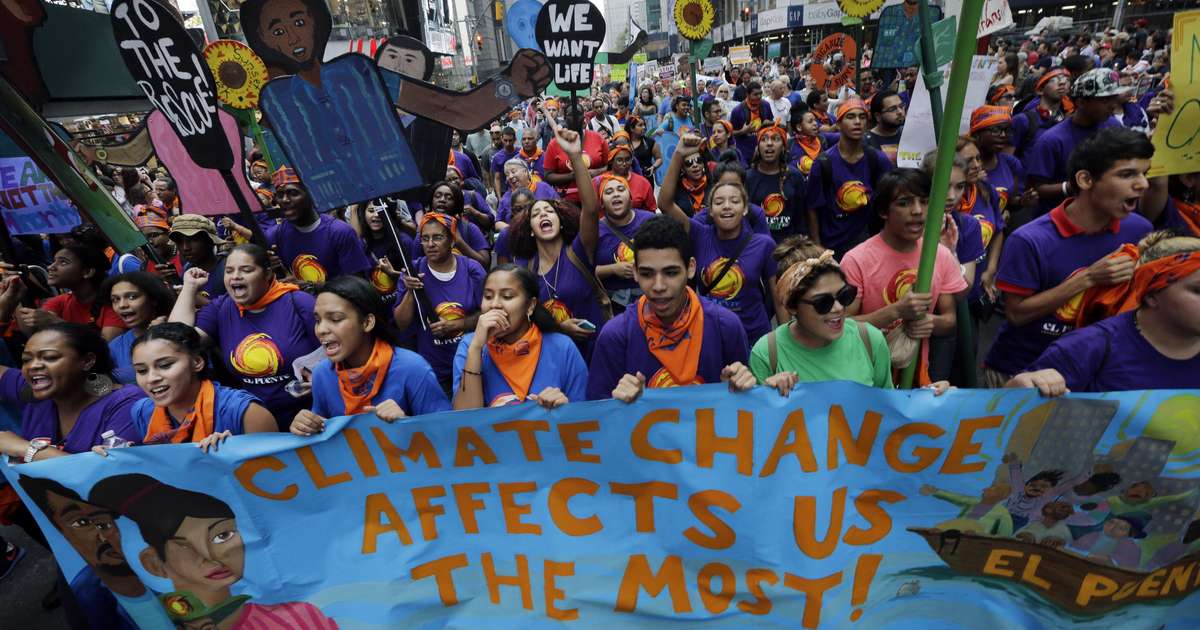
{"x": 287, "y": 27}
{"x": 206, "y": 554}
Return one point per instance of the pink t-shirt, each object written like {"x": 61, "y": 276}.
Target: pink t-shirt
{"x": 883, "y": 275}
{"x": 294, "y": 615}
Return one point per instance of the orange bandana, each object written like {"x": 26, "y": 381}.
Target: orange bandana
{"x": 1106, "y": 301}
{"x": 531, "y": 158}
{"x": 968, "y": 199}
{"x": 677, "y": 347}
{"x": 1190, "y": 214}
{"x": 196, "y": 426}
{"x": 728, "y": 133}
{"x": 447, "y": 221}
{"x": 518, "y": 361}
{"x": 810, "y": 146}
{"x": 274, "y": 292}
{"x": 696, "y": 191}
{"x": 359, "y": 385}
{"x": 773, "y": 129}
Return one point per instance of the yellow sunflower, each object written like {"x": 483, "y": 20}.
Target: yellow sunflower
{"x": 240, "y": 74}
{"x": 859, "y": 8}
{"x": 694, "y": 18}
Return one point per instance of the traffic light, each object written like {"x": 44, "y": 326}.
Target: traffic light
{"x": 479, "y": 41}
{"x": 746, "y": 14}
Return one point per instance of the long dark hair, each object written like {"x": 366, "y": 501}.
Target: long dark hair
{"x": 251, "y": 13}
{"x": 529, "y": 283}
{"x": 90, "y": 259}
{"x": 84, "y": 340}
{"x": 157, "y": 508}
{"x": 161, "y": 297}
{"x": 521, "y": 241}
{"x": 181, "y": 336}
{"x": 366, "y": 301}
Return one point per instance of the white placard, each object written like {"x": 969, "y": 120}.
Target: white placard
{"x": 918, "y": 137}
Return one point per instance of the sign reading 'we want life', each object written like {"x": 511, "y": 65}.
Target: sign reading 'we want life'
{"x": 838, "y": 505}
{"x": 570, "y": 33}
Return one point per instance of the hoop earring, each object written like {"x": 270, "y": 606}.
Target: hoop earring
{"x": 98, "y": 385}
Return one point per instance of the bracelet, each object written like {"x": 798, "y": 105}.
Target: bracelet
{"x": 466, "y": 371}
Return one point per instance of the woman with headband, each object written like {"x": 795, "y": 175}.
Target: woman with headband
{"x": 775, "y": 186}
{"x": 991, "y": 129}
{"x": 720, "y": 141}
{"x": 620, "y": 164}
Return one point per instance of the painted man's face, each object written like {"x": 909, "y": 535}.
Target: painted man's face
{"x": 287, "y": 27}
{"x": 91, "y": 530}
{"x": 405, "y": 61}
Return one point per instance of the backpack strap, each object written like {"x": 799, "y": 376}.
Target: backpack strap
{"x": 773, "y": 351}
{"x": 618, "y": 233}
{"x": 866, "y": 339}
{"x": 1035, "y": 121}
{"x": 706, "y": 287}
{"x": 597, "y": 288}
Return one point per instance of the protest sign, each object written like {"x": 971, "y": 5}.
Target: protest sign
{"x": 30, "y": 202}
{"x": 201, "y": 190}
{"x": 740, "y": 55}
{"x": 918, "y": 138}
{"x": 839, "y": 53}
{"x": 619, "y": 73}
{"x": 838, "y": 504}
{"x": 943, "y": 41}
{"x": 570, "y": 33}
{"x": 996, "y": 15}
{"x": 1177, "y": 135}
{"x": 713, "y": 64}
{"x": 899, "y": 30}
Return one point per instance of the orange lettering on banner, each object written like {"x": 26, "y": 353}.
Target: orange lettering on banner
{"x": 418, "y": 447}
{"x": 1125, "y": 591}
{"x": 560, "y": 509}
{"x": 740, "y": 446}
{"x": 804, "y": 525}
{"x": 513, "y": 511}
{"x": 963, "y": 446}
{"x": 464, "y": 498}
{"x": 640, "y": 438}
{"x": 520, "y": 580}
{"x": 470, "y": 447}
{"x": 1178, "y": 578}
{"x": 526, "y": 430}
{"x": 426, "y": 511}
{"x": 723, "y": 535}
{"x": 442, "y": 570}
{"x": 868, "y": 507}
{"x": 643, "y": 500}
{"x": 814, "y": 594}
{"x": 997, "y": 562}
{"x": 639, "y": 577}
{"x": 551, "y": 592}
{"x": 381, "y": 517}
{"x": 716, "y": 602}
{"x": 246, "y": 471}
{"x": 573, "y": 446}
{"x": 799, "y": 445}
{"x": 362, "y": 455}
{"x": 760, "y": 605}
{"x": 1030, "y": 573}
{"x": 925, "y": 454}
{"x": 857, "y": 449}
{"x": 316, "y": 472}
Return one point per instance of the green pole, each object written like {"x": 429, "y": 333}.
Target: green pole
{"x": 695, "y": 94}
{"x": 964, "y": 49}
{"x": 260, "y": 141}
{"x": 933, "y": 78}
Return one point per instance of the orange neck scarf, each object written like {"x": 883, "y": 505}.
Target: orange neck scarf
{"x": 755, "y": 113}
{"x": 676, "y": 346}
{"x": 696, "y": 191}
{"x": 536, "y": 154}
{"x": 822, "y": 117}
{"x": 274, "y": 292}
{"x": 1101, "y": 302}
{"x": 1190, "y": 214}
{"x": 810, "y": 146}
{"x": 518, "y": 361}
{"x": 359, "y": 385}
{"x": 195, "y": 426}
{"x": 968, "y": 199}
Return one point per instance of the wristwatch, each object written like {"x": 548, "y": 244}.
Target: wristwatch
{"x": 35, "y": 445}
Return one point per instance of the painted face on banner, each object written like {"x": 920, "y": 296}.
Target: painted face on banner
{"x": 286, "y": 27}
{"x": 91, "y": 530}
{"x": 405, "y": 61}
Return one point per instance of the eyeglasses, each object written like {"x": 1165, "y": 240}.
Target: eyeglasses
{"x": 823, "y": 303}
{"x": 693, "y": 162}
{"x": 998, "y": 130}
{"x": 433, "y": 238}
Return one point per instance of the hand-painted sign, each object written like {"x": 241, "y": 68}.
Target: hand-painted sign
{"x": 30, "y": 202}
{"x": 1177, "y": 135}
{"x": 570, "y": 33}
{"x": 834, "y": 61}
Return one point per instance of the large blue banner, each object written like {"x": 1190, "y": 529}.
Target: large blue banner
{"x": 838, "y": 506}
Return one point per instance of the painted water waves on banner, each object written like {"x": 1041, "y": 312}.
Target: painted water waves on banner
{"x": 30, "y": 202}
{"x": 840, "y": 506}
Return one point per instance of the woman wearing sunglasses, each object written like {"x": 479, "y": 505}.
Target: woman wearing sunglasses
{"x": 820, "y": 343}
{"x": 692, "y": 194}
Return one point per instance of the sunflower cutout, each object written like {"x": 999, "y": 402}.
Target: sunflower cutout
{"x": 859, "y": 8}
{"x": 694, "y": 18}
{"x": 239, "y": 72}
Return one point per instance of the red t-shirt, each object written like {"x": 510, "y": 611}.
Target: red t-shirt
{"x": 641, "y": 193}
{"x": 595, "y": 155}
{"x": 70, "y": 309}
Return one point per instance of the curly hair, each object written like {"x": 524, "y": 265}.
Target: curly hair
{"x": 521, "y": 241}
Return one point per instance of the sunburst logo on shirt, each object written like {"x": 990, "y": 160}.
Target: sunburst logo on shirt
{"x": 730, "y": 284}
{"x": 448, "y": 311}
{"x": 507, "y": 398}
{"x": 1068, "y": 311}
{"x": 558, "y": 310}
{"x": 1003, "y": 202}
{"x": 623, "y": 253}
{"x": 256, "y": 355}
{"x": 307, "y": 268}
{"x": 804, "y": 164}
{"x": 986, "y": 229}
{"x": 662, "y": 379}
{"x": 852, "y": 196}
{"x": 382, "y": 282}
{"x": 900, "y": 284}
{"x": 773, "y": 205}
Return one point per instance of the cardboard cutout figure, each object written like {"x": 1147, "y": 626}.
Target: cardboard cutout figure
{"x": 335, "y": 121}
{"x": 18, "y": 19}
{"x": 401, "y": 59}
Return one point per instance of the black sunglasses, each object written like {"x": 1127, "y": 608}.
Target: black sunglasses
{"x": 823, "y": 303}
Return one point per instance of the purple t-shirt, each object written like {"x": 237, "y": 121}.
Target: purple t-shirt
{"x": 565, "y": 291}
{"x": 1171, "y": 219}
{"x": 1113, "y": 356}
{"x": 501, "y": 247}
{"x": 741, "y": 289}
{"x": 259, "y": 349}
{"x": 1039, "y": 256}
{"x": 541, "y": 190}
{"x": 479, "y": 202}
{"x": 332, "y": 249}
{"x": 740, "y": 117}
{"x": 782, "y": 201}
{"x": 456, "y": 298}
{"x": 1047, "y": 159}
{"x": 621, "y": 349}
{"x": 990, "y": 221}
{"x": 497, "y": 165}
{"x": 755, "y": 221}
{"x": 1020, "y": 129}
{"x": 470, "y": 233}
{"x": 39, "y": 419}
{"x": 970, "y": 238}
{"x": 842, "y": 212}
{"x": 559, "y": 365}
{"x": 1008, "y": 178}
{"x": 610, "y": 249}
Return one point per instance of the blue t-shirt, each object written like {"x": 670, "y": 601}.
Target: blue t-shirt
{"x": 559, "y": 365}
{"x": 229, "y": 410}
{"x": 409, "y": 381}
{"x": 119, "y": 349}
{"x": 782, "y": 201}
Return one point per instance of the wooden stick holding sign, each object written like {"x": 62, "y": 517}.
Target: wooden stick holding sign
{"x": 176, "y": 79}
{"x": 570, "y": 33}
